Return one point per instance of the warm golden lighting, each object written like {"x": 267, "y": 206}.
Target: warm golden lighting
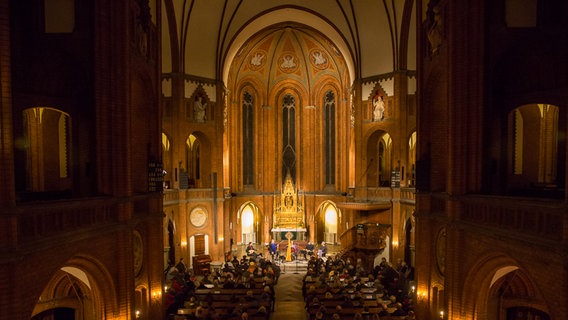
{"x": 395, "y": 244}
{"x": 156, "y": 295}
{"x": 330, "y": 217}
{"x": 422, "y": 296}
{"x": 184, "y": 243}
{"x": 248, "y": 219}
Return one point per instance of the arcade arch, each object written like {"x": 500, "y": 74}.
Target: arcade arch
{"x": 379, "y": 159}
{"x": 247, "y": 219}
{"x": 329, "y": 226}
{"x": 498, "y": 285}
{"x": 81, "y": 288}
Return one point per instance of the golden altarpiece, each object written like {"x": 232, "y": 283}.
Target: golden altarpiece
{"x": 289, "y": 217}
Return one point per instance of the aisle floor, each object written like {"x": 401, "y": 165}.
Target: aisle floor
{"x": 289, "y": 303}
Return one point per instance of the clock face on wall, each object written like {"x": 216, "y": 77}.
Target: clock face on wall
{"x": 441, "y": 251}
{"x": 138, "y": 251}
{"x": 198, "y": 217}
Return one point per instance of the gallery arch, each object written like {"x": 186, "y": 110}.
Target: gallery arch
{"x": 248, "y": 221}
{"x": 379, "y": 159}
{"x": 47, "y": 133}
{"x": 329, "y": 223}
{"x": 197, "y": 173}
{"x": 534, "y": 129}
{"x": 77, "y": 290}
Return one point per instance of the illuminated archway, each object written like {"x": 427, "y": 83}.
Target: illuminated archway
{"x": 248, "y": 220}
{"x": 330, "y": 223}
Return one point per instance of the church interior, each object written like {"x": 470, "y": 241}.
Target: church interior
{"x": 137, "y": 133}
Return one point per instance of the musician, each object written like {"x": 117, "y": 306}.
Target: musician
{"x": 322, "y": 250}
{"x": 273, "y": 249}
{"x": 295, "y": 250}
{"x": 309, "y": 250}
{"x": 250, "y": 250}
{"x": 181, "y": 267}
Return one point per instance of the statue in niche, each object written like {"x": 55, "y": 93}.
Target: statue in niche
{"x": 435, "y": 27}
{"x": 378, "y": 107}
{"x": 199, "y": 109}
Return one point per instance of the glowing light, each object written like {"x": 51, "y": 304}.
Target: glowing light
{"x": 422, "y": 296}
{"x": 156, "y": 295}
{"x": 330, "y": 217}
{"x": 248, "y": 219}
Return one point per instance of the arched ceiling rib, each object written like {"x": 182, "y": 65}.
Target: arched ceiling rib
{"x": 368, "y": 32}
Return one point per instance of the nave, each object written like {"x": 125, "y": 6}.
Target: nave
{"x": 318, "y": 288}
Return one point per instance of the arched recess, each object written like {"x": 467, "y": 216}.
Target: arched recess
{"x": 496, "y": 283}
{"x": 82, "y": 284}
{"x": 167, "y": 160}
{"x": 379, "y": 159}
{"x": 248, "y": 220}
{"x": 199, "y": 108}
{"x": 537, "y": 151}
{"x": 328, "y": 223}
{"x": 411, "y": 161}
{"x": 409, "y": 241}
{"x": 48, "y": 150}
{"x": 198, "y": 172}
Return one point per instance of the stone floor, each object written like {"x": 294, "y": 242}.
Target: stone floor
{"x": 289, "y": 300}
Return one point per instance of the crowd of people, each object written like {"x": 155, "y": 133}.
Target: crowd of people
{"x": 329, "y": 281}
{"x": 246, "y": 273}
{"x": 349, "y": 283}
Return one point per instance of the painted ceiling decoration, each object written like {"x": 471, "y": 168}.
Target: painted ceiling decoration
{"x": 374, "y": 38}
{"x": 280, "y": 54}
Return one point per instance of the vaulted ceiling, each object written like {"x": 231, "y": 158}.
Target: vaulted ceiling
{"x": 201, "y": 38}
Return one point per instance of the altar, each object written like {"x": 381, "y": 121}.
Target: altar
{"x": 288, "y": 213}
{"x": 298, "y": 234}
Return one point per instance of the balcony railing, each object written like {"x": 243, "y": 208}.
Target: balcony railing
{"x": 542, "y": 219}
{"x": 35, "y": 221}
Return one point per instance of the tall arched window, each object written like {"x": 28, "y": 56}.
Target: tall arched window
{"x": 248, "y": 139}
{"x": 289, "y": 136}
{"x": 412, "y": 159}
{"x": 193, "y": 174}
{"x": 385, "y": 161}
{"x": 329, "y": 137}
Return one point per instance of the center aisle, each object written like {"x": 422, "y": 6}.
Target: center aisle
{"x": 289, "y": 302}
